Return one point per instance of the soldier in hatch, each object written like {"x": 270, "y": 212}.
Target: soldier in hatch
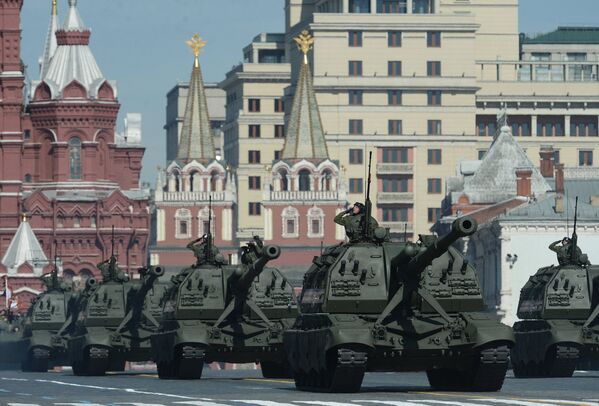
{"x": 353, "y": 221}
{"x": 564, "y": 252}
{"x": 110, "y": 270}
{"x": 199, "y": 247}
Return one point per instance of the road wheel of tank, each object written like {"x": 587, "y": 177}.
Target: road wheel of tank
{"x": 189, "y": 362}
{"x": 165, "y": 370}
{"x": 275, "y": 370}
{"x": 560, "y": 361}
{"x": 36, "y": 360}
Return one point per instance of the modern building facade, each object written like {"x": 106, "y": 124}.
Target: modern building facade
{"x": 62, "y": 161}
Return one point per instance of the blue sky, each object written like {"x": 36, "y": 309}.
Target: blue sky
{"x": 140, "y": 44}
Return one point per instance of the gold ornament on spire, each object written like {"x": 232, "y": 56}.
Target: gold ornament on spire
{"x": 305, "y": 42}
{"x": 54, "y": 7}
{"x": 196, "y": 43}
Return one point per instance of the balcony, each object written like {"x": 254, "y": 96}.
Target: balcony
{"x": 303, "y": 196}
{"x": 395, "y": 197}
{"x": 538, "y": 71}
{"x": 394, "y": 168}
{"x": 193, "y": 196}
{"x": 397, "y": 226}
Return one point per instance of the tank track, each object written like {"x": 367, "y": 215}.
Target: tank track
{"x": 37, "y": 359}
{"x": 187, "y": 363}
{"x": 95, "y": 362}
{"x": 344, "y": 373}
{"x": 486, "y": 373}
{"x": 560, "y": 362}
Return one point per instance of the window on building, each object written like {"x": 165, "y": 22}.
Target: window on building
{"x": 254, "y": 182}
{"x": 433, "y": 39}
{"x": 359, "y": 6}
{"x": 304, "y": 180}
{"x": 486, "y": 125}
{"x": 520, "y": 126}
{"x": 28, "y": 178}
{"x": 556, "y": 156}
{"x": 394, "y": 97}
{"x": 395, "y": 214}
{"x": 77, "y": 221}
{"x": 481, "y": 153}
{"x": 254, "y": 131}
{"x": 279, "y": 131}
{"x": 315, "y": 226}
{"x": 255, "y": 208}
{"x": 394, "y": 68}
{"x": 355, "y": 97}
{"x": 395, "y": 185}
{"x": 315, "y": 222}
{"x": 254, "y": 105}
{"x": 434, "y": 214}
{"x": 279, "y": 106}
{"x": 60, "y": 221}
{"x": 290, "y": 218}
{"x": 356, "y": 127}
{"x": 356, "y": 185}
{"x": 434, "y": 157}
{"x": 356, "y": 156}
{"x": 433, "y": 68}
{"x": 583, "y": 126}
{"x": 394, "y": 127}
{"x": 93, "y": 221}
{"x": 550, "y": 126}
{"x": 395, "y": 155}
{"x": 585, "y": 158}
{"x": 354, "y": 38}
{"x": 75, "y": 158}
{"x": 434, "y": 186}
{"x": 434, "y": 97}
{"x": 278, "y": 155}
{"x": 394, "y": 39}
{"x": 182, "y": 221}
{"x": 423, "y": 6}
{"x": 434, "y": 127}
{"x": 27, "y": 134}
{"x": 392, "y": 6}
{"x": 253, "y": 157}
{"x": 355, "y": 68}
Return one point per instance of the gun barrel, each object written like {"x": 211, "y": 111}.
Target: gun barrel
{"x": 268, "y": 252}
{"x": 150, "y": 276}
{"x": 462, "y": 227}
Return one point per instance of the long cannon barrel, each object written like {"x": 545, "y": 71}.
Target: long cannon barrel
{"x": 149, "y": 276}
{"x": 462, "y": 227}
{"x": 267, "y": 253}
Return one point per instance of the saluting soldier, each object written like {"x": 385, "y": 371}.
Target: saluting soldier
{"x": 564, "y": 251}
{"x": 199, "y": 246}
{"x": 353, "y": 221}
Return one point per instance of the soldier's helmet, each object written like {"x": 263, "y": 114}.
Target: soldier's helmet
{"x": 360, "y": 206}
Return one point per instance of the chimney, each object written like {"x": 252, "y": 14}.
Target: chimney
{"x": 559, "y": 179}
{"x": 559, "y": 203}
{"x": 547, "y": 162}
{"x": 523, "y": 182}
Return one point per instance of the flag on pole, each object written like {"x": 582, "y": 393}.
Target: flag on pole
{"x": 7, "y": 292}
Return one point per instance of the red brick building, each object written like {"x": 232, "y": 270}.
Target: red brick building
{"x": 61, "y": 161}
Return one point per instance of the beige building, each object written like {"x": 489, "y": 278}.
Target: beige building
{"x": 254, "y": 131}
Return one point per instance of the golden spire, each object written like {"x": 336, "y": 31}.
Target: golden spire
{"x": 24, "y": 217}
{"x": 54, "y": 7}
{"x": 305, "y": 42}
{"x": 196, "y": 43}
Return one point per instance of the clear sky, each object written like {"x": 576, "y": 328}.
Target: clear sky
{"x": 140, "y": 44}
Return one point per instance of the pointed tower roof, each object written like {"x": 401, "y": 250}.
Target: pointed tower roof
{"x": 495, "y": 178}
{"x": 196, "y": 142}
{"x": 305, "y": 136}
{"x": 73, "y": 59}
{"x": 24, "y": 248}
{"x": 50, "y": 43}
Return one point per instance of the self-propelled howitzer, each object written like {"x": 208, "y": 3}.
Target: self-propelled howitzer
{"x": 115, "y": 322}
{"x": 226, "y": 313}
{"x": 377, "y": 305}
{"x": 42, "y": 347}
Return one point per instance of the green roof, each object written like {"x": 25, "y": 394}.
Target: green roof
{"x": 567, "y": 35}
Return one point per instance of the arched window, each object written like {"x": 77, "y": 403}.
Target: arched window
{"x": 290, "y": 218}
{"x": 213, "y": 181}
{"x": 28, "y": 178}
{"x": 284, "y": 180}
{"x": 304, "y": 180}
{"x": 194, "y": 182}
{"x": 77, "y": 221}
{"x": 327, "y": 181}
{"x": 75, "y": 158}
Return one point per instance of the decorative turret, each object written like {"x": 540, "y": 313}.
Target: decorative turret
{"x": 305, "y": 136}
{"x": 196, "y": 141}
{"x": 25, "y": 249}
{"x": 72, "y": 63}
{"x": 50, "y": 44}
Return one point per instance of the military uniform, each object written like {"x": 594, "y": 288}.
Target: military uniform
{"x": 199, "y": 250}
{"x": 564, "y": 253}
{"x": 353, "y": 224}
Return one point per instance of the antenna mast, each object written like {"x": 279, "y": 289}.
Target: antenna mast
{"x": 368, "y": 203}
{"x": 209, "y": 233}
